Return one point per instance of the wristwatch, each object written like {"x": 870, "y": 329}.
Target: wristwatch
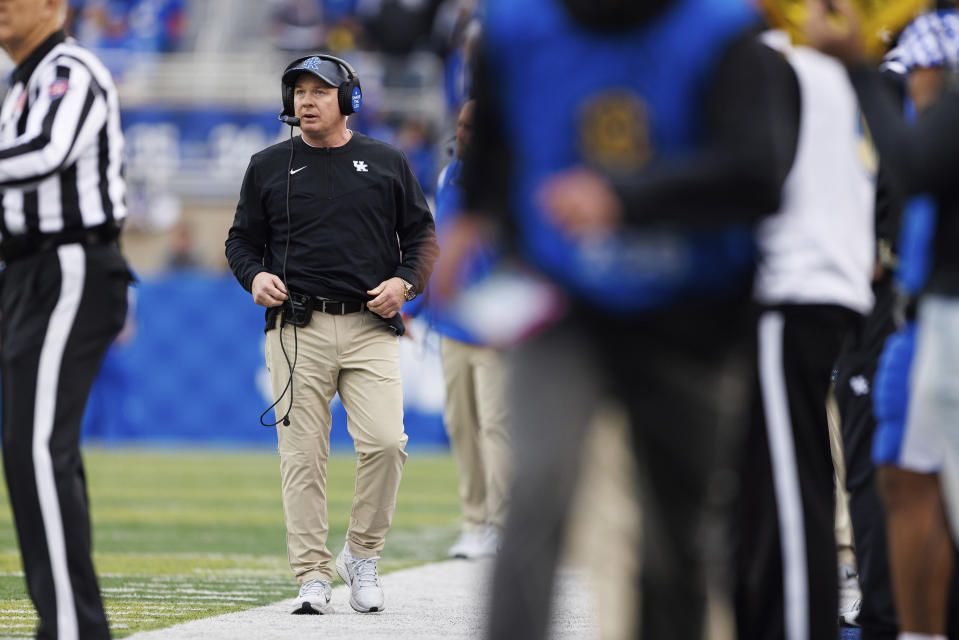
{"x": 410, "y": 291}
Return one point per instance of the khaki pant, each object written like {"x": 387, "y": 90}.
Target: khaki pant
{"x": 357, "y": 356}
{"x": 604, "y": 528}
{"x": 844, "y": 541}
{"x": 475, "y": 417}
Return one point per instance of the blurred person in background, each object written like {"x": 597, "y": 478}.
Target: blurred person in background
{"x": 911, "y": 496}
{"x": 813, "y": 285}
{"x": 63, "y": 298}
{"x": 128, "y": 25}
{"x": 182, "y": 253}
{"x": 397, "y": 27}
{"x": 915, "y": 438}
{"x": 297, "y": 25}
{"x": 656, "y": 272}
{"x": 414, "y": 139}
{"x": 475, "y": 375}
{"x": 332, "y": 234}
{"x": 456, "y": 34}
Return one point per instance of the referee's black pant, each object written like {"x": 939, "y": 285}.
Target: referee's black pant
{"x": 787, "y": 584}
{"x": 61, "y": 310}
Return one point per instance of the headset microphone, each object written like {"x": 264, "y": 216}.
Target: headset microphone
{"x": 290, "y": 120}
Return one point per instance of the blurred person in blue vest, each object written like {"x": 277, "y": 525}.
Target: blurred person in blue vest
{"x": 475, "y": 375}
{"x": 675, "y": 104}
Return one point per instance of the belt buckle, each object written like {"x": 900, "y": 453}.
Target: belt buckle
{"x": 341, "y": 312}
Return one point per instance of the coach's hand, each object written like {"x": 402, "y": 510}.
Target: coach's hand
{"x": 388, "y": 297}
{"x": 268, "y": 290}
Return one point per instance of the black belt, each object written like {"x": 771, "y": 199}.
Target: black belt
{"x": 19, "y": 247}
{"x": 336, "y": 307}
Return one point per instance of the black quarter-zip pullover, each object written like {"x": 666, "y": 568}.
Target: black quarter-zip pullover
{"x": 357, "y": 216}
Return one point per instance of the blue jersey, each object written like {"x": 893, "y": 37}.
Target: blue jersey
{"x": 891, "y": 385}
{"x": 568, "y": 96}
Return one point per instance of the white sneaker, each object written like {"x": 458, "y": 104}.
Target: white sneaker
{"x": 466, "y": 545}
{"x": 850, "y": 596}
{"x": 314, "y": 598}
{"x": 366, "y": 595}
{"x": 489, "y": 544}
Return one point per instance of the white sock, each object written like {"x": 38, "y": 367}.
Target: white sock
{"x": 910, "y": 635}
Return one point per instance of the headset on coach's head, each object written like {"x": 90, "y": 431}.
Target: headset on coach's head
{"x": 349, "y": 95}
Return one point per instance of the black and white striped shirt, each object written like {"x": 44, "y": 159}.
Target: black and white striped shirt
{"x": 61, "y": 147}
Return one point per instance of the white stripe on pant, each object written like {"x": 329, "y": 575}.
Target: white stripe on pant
{"x": 785, "y": 475}
{"x": 72, "y": 266}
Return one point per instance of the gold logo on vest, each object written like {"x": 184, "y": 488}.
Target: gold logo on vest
{"x": 614, "y": 132}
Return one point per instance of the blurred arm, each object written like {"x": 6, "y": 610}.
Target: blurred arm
{"x": 752, "y": 131}
{"x": 922, "y": 157}
{"x": 488, "y": 161}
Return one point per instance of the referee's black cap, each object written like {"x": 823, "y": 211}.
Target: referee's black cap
{"x": 328, "y": 71}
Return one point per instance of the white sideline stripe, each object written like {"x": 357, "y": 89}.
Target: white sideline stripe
{"x": 183, "y": 591}
{"x": 73, "y": 273}
{"x": 125, "y": 613}
{"x": 219, "y": 597}
{"x": 785, "y": 477}
{"x": 440, "y": 601}
{"x": 4, "y": 612}
{"x": 159, "y": 609}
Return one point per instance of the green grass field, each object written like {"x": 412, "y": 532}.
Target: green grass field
{"x": 184, "y": 534}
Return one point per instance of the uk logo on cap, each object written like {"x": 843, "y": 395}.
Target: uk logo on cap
{"x": 312, "y": 64}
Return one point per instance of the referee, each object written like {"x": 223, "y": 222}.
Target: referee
{"x": 63, "y": 298}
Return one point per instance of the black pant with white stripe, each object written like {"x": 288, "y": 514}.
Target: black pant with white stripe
{"x": 787, "y": 584}
{"x": 61, "y": 310}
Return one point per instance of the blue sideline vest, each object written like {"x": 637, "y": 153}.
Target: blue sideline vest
{"x": 616, "y": 102}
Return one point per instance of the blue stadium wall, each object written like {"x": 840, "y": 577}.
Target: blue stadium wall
{"x": 192, "y": 373}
